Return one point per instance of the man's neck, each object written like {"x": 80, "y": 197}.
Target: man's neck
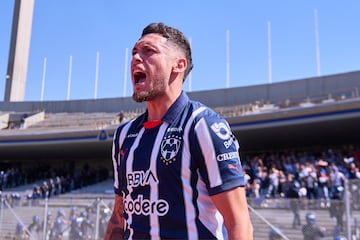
{"x": 158, "y": 108}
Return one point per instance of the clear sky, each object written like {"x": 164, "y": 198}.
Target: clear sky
{"x": 83, "y": 28}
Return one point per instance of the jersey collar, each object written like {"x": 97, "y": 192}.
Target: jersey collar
{"x": 171, "y": 114}
{"x": 176, "y": 108}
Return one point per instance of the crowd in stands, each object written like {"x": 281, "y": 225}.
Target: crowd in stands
{"x": 49, "y": 181}
{"x": 315, "y": 174}
{"x": 296, "y": 175}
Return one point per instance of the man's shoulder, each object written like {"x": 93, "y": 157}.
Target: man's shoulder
{"x": 201, "y": 110}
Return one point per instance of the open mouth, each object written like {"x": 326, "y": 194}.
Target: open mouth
{"x": 139, "y": 77}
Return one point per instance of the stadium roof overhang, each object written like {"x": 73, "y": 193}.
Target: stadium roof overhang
{"x": 70, "y": 145}
{"x": 326, "y": 125}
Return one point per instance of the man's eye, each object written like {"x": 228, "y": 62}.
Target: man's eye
{"x": 147, "y": 50}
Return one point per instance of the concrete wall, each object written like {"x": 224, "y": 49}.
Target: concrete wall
{"x": 274, "y": 93}
{"x": 278, "y": 92}
{"x": 4, "y": 120}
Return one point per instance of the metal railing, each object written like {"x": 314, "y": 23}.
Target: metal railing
{"x": 17, "y": 215}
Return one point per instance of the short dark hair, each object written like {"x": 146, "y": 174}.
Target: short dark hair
{"x": 175, "y": 36}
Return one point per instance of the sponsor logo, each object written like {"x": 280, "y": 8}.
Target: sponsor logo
{"x": 227, "y": 156}
{"x": 132, "y": 135}
{"x": 170, "y": 146}
{"x": 236, "y": 167}
{"x": 179, "y": 129}
{"x": 140, "y": 178}
{"x": 122, "y": 153}
{"x": 141, "y": 206}
{"x": 221, "y": 130}
{"x": 228, "y": 143}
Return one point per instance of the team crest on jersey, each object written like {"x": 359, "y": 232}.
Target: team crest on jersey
{"x": 170, "y": 146}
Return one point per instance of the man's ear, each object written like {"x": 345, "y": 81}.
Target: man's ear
{"x": 180, "y": 65}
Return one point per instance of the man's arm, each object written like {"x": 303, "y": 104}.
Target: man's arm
{"x": 233, "y": 206}
{"x": 115, "y": 227}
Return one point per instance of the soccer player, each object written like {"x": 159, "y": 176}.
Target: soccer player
{"x": 177, "y": 170}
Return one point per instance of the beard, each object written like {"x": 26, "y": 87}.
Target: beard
{"x": 156, "y": 89}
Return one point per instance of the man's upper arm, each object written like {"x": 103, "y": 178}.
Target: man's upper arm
{"x": 233, "y": 206}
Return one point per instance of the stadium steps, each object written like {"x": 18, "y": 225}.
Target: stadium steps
{"x": 275, "y": 212}
{"x": 92, "y": 120}
{"x": 281, "y": 219}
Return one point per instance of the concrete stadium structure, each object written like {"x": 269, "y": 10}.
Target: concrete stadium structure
{"x": 319, "y": 111}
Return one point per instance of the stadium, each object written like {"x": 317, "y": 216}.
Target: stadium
{"x": 312, "y": 120}
{"x": 315, "y": 114}
{"x": 321, "y": 111}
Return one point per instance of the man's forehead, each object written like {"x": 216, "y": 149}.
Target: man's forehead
{"x": 152, "y": 38}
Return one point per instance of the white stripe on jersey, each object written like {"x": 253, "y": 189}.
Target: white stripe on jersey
{"x": 122, "y": 136}
{"x": 209, "y": 153}
{"x": 129, "y": 164}
{"x": 154, "y": 191}
{"x": 185, "y": 176}
{"x": 206, "y": 210}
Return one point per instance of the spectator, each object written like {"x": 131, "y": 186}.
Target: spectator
{"x": 337, "y": 180}
{"x": 273, "y": 182}
{"x": 293, "y": 187}
{"x": 22, "y": 120}
{"x": 282, "y": 181}
{"x": 59, "y": 225}
{"x": 311, "y": 230}
{"x": 323, "y": 184}
{"x": 311, "y": 182}
{"x": 247, "y": 180}
{"x": 44, "y": 190}
{"x": 57, "y": 186}
{"x": 352, "y": 171}
{"x": 87, "y": 224}
{"x": 264, "y": 183}
{"x": 48, "y": 224}
{"x": 35, "y": 227}
{"x": 337, "y": 208}
{"x": 21, "y": 232}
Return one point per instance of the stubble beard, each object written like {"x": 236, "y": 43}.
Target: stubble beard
{"x": 157, "y": 89}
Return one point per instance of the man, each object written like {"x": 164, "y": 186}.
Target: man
{"x": 311, "y": 231}
{"x": 177, "y": 172}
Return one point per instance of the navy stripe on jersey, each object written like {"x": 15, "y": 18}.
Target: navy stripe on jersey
{"x": 167, "y": 174}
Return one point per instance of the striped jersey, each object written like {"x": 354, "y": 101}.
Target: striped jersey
{"x": 167, "y": 171}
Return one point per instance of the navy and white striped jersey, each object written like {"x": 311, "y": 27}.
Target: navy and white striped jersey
{"x": 167, "y": 172}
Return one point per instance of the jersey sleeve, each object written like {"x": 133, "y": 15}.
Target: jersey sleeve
{"x": 217, "y": 154}
{"x": 115, "y": 159}
{"x": 118, "y": 141}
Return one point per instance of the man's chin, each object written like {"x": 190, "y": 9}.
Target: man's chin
{"x": 140, "y": 97}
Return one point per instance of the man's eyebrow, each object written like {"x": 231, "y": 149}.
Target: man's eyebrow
{"x": 133, "y": 50}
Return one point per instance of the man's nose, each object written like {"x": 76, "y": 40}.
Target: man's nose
{"x": 136, "y": 58}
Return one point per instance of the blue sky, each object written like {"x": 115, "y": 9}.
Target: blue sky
{"x": 82, "y": 28}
